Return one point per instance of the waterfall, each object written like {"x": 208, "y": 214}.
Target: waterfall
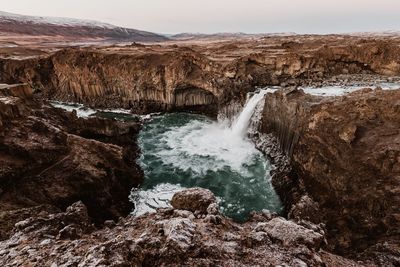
{"x": 241, "y": 123}
{"x": 188, "y": 150}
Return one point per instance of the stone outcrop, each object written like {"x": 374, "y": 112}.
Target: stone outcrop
{"x": 344, "y": 154}
{"x": 194, "y": 199}
{"x": 50, "y": 159}
{"x": 169, "y": 237}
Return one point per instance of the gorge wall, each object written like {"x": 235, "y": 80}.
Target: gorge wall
{"x": 345, "y": 152}
{"x": 145, "y": 83}
{"x": 50, "y": 159}
{"x": 170, "y": 77}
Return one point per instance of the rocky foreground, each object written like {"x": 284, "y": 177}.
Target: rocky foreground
{"x": 193, "y": 233}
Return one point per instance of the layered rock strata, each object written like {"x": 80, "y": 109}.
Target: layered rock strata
{"x": 195, "y": 77}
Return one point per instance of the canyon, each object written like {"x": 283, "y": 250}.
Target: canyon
{"x": 175, "y": 76}
{"x": 65, "y": 180}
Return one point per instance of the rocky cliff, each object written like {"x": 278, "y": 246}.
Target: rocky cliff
{"x": 344, "y": 152}
{"x": 146, "y": 83}
{"x": 171, "y": 77}
{"x": 50, "y": 159}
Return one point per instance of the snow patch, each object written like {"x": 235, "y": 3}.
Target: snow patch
{"x": 6, "y": 16}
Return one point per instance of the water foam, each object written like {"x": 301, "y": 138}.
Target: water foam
{"x": 149, "y": 200}
{"x": 81, "y": 110}
{"x": 201, "y": 146}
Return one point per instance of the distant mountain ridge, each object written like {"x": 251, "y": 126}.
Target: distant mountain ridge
{"x": 73, "y": 28}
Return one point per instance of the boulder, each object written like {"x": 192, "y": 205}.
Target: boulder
{"x": 193, "y": 199}
{"x": 290, "y": 233}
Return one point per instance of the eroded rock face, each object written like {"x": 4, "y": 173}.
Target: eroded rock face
{"x": 196, "y": 77}
{"x": 148, "y": 82}
{"x": 345, "y": 152}
{"x": 52, "y": 158}
{"x": 166, "y": 238}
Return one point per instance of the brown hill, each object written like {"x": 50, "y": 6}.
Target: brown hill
{"x": 71, "y": 28}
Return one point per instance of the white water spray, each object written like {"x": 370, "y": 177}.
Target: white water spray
{"x": 193, "y": 145}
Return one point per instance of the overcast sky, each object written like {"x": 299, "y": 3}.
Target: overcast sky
{"x": 208, "y": 16}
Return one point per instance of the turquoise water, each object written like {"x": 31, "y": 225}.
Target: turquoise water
{"x": 182, "y": 150}
{"x": 187, "y": 150}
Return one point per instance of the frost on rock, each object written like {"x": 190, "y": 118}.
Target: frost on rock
{"x": 169, "y": 237}
{"x": 290, "y": 233}
{"x": 179, "y": 233}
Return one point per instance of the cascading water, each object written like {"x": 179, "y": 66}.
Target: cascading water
{"x": 241, "y": 124}
{"x": 187, "y": 150}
